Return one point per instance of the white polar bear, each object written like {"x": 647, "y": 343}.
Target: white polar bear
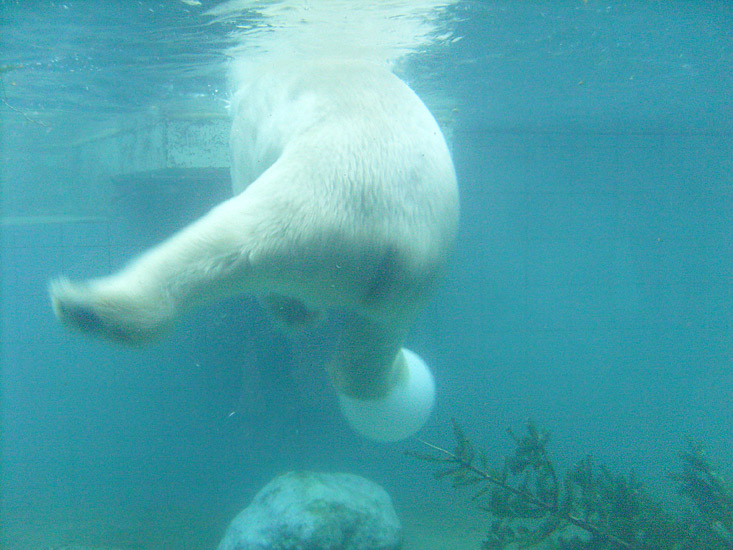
{"x": 345, "y": 197}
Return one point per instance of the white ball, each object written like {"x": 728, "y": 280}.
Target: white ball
{"x": 402, "y": 412}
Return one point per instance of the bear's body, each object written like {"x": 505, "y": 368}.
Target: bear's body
{"x": 345, "y": 198}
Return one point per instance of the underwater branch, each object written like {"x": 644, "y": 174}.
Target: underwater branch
{"x": 465, "y": 462}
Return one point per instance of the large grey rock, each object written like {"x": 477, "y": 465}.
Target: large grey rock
{"x": 315, "y": 511}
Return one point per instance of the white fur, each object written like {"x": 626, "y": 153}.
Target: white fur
{"x": 346, "y": 198}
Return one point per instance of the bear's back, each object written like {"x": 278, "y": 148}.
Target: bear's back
{"x": 358, "y": 154}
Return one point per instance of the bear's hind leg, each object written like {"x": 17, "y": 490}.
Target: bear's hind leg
{"x": 110, "y": 314}
{"x": 210, "y": 259}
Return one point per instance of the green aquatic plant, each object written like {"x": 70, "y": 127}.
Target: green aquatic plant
{"x": 711, "y": 497}
{"x": 529, "y": 503}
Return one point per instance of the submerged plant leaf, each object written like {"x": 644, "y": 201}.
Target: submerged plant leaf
{"x": 593, "y": 508}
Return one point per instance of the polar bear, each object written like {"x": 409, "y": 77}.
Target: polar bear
{"x": 345, "y": 198}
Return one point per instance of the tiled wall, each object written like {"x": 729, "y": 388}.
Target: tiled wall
{"x": 68, "y": 170}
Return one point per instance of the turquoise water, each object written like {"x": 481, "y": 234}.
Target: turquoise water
{"x": 591, "y": 287}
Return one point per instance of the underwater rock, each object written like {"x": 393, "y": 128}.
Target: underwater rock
{"x": 315, "y": 510}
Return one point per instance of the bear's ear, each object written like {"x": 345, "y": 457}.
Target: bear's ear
{"x": 405, "y": 408}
